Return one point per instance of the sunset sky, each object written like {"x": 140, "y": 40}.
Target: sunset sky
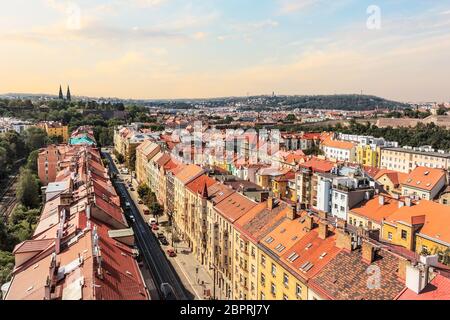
{"x": 207, "y": 48}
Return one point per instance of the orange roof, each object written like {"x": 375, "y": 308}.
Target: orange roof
{"x": 285, "y": 235}
{"x": 234, "y": 206}
{"x": 260, "y": 220}
{"x": 437, "y": 289}
{"x": 424, "y": 178}
{"x": 318, "y": 165}
{"x": 395, "y": 176}
{"x": 188, "y": 172}
{"x": 313, "y": 250}
{"x": 197, "y": 185}
{"x": 338, "y": 144}
{"x": 375, "y": 211}
{"x": 434, "y": 216}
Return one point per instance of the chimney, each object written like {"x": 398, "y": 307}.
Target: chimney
{"x": 381, "y": 200}
{"x": 308, "y": 222}
{"x": 401, "y": 271}
{"x": 323, "y": 215}
{"x": 344, "y": 240}
{"x": 408, "y": 202}
{"x": 292, "y": 212}
{"x": 401, "y": 204}
{"x": 368, "y": 252}
{"x": 270, "y": 203}
{"x": 47, "y": 289}
{"x": 323, "y": 229}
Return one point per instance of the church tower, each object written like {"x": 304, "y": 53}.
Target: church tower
{"x": 68, "y": 96}
{"x": 61, "y": 97}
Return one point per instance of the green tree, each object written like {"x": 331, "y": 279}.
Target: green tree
{"x": 156, "y": 210}
{"x": 291, "y": 117}
{"x": 143, "y": 190}
{"x": 35, "y": 138}
{"x": 28, "y": 189}
{"x": 6, "y": 266}
{"x": 32, "y": 161}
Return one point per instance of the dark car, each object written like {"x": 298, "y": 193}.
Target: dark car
{"x": 160, "y": 235}
{"x": 164, "y": 241}
{"x": 167, "y": 292}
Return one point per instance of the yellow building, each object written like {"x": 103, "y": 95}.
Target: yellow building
{"x": 144, "y": 153}
{"x": 368, "y": 155}
{"x": 56, "y": 129}
{"x": 421, "y": 227}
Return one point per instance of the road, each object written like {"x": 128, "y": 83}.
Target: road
{"x": 160, "y": 268}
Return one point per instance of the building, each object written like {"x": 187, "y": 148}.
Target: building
{"x": 368, "y": 155}
{"x": 82, "y": 247}
{"x": 55, "y": 129}
{"x": 339, "y": 150}
{"x": 424, "y": 183}
{"x": 407, "y": 159}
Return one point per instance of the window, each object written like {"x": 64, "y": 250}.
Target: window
{"x": 285, "y": 297}
{"x": 274, "y": 269}
{"x": 298, "y": 290}
{"x": 273, "y": 289}
{"x": 263, "y": 280}
{"x": 404, "y": 234}
{"x": 263, "y": 297}
{"x": 263, "y": 261}
{"x": 389, "y": 235}
{"x": 285, "y": 279}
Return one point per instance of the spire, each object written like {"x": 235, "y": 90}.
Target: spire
{"x": 61, "y": 97}
{"x": 204, "y": 192}
{"x": 68, "y": 97}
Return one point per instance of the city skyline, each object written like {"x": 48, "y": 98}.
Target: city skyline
{"x": 169, "y": 49}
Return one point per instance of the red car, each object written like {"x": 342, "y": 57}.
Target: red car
{"x": 171, "y": 253}
{"x": 155, "y": 227}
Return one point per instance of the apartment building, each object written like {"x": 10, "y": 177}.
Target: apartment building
{"x": 339, "y": 150}
{"x": 55, "y": 129}
{"x": 82, "y": 247}
{"x": 407, "y": 159}
{"x": 424, "y": 183}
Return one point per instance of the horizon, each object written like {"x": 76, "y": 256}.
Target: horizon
{"x": 178, "y": 50}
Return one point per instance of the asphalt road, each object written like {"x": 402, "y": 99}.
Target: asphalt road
{"x": 160, "y": 268}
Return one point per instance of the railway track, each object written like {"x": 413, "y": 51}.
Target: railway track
{"x": 8, "y": 198}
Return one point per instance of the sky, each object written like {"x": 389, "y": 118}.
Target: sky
{"x": 166, "y": 49}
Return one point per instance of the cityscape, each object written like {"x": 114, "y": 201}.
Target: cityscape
{"x": 118, "y": 188}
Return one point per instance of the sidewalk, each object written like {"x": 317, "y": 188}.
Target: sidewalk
{"x": 194, "y": 276}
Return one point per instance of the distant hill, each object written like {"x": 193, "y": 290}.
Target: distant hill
{"x": 328, "y": 102}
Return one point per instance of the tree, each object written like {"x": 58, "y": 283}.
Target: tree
{"x": 28, "y": 189}
{"x": 156, "y": 210}
{"x": 291, "y": 117}
{"x": 143, "y": 190}
{"x": 35, "y": 138}
{"x": 441, "y": 111}
{"x": 32, "y": 161}
{"x": 6, "y": 266}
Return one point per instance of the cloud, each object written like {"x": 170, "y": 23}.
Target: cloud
{"x": 290, "y": 6}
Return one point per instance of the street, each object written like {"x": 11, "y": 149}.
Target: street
{"x": 161, "y": 270}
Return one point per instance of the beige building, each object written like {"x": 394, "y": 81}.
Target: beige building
{"x": 144, "y": 153}
{"x": 407, "y": 159}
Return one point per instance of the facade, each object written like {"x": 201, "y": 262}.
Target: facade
{"x": 424, "y": 183}
{"x": 407, "y": 159}
{"x": 339, "y": 150}
{"x": 55, "y": 129}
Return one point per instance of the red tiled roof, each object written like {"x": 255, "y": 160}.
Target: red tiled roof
{"x": 198, "y": 183}
{"x": 318, "y": 165}
{"x": 424, "y": 178}
{"x": 437, "y": 289}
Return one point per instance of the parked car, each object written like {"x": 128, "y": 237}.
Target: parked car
{"x": 141, "y": 202}
{"x": 171, "y": 252}
{"x": 155, "y": 227}
{"x": 164, "y": 241}
{"x": 127, "y": 205}
{"x": 131, "y": 189}
{"x": 160, "y": 235}
{"x": 152, "y": 221}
